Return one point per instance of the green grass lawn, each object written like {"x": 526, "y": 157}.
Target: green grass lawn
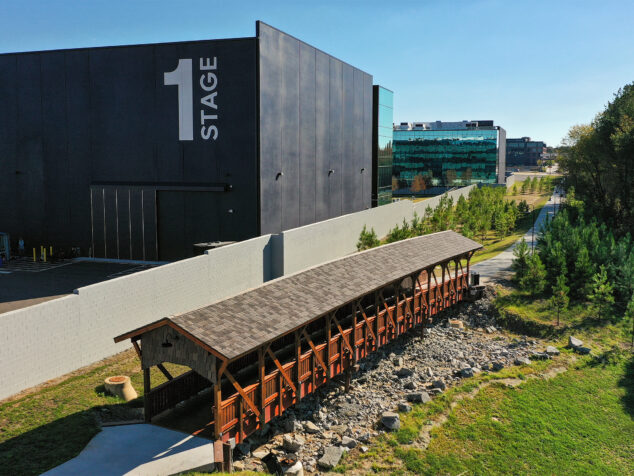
{"x": 43, "y": 429}
{"x": 580, "y": 422}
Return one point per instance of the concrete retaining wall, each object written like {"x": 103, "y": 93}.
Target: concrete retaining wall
{"x": 48, "y": 340}
{"x": 310, "y": 245}
{"x": 45, "y": 341}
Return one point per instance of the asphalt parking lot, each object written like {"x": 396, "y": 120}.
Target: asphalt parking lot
{"x": 25, "y": 283}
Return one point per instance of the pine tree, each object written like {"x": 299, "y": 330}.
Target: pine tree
{"x": 520, "y": 263}
{"x": 582, "y": 275}
{"x": 367, "y": 239}
{"x": 534, "y": 280}
{"x": 560, "y": 295}
{"x": 602, "y": 297}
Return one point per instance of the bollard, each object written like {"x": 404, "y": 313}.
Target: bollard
{"x": 50, "y": 255}
{"x": 34, "y": 256}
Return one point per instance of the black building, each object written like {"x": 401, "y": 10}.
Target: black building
{"x": 138, "y": 152}
{"x": 524, "y": 151}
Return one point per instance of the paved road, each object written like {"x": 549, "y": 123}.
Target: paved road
{"x": 139, "y": 450}
{"x": 499, "y": 267}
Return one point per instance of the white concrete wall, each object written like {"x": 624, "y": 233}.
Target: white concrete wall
{"x": 310, "y": 245}
{"x": 45, "y": 341}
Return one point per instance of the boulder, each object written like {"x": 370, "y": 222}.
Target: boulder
{"x": 310, "y": 427}
{"x": 410, "y": 385}
{"x": 540, "y": 355}
{"x": 551, "y": 350}
{"x": 583, "y": 350}
{"x": 348, "y": 442}
{"x": 391, "y": 421}
{"x": 574, "y": 342}
{"x": 497, "y": 366}
{"x": 405, "y": 372}
{"x": 466, "y": 372}
{"x": 418, "y": 397}
{"x": 296, "y": 470}
{"x": 332, "y": 456}
{"x": 404, "y": 407}
{"x": 398, "y": 361}
{"x": 293, "y": 444}
{"x": 439, "y": 384}
{"x": 522, "y": 361}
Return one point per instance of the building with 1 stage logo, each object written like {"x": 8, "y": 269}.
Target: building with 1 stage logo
{"x": 139, "y": 152}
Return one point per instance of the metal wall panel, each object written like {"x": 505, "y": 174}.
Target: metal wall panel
{"x": 349, "y": 161}
{"x": 335, "y": 136}
{"x": 322, "y": 143}
{"x": 78, "y": 118}
{"x": 305, "y": 104}
{"x": 307, "y": 135}
{"x": 290, "y": 132}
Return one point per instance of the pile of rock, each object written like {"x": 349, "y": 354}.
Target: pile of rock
{"x": 410, "y": 370}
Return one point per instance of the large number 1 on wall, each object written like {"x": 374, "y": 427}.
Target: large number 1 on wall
{"x": 182, "y": 77}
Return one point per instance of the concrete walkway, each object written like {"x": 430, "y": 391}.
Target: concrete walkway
{"x": 499, "y": 267}
{"x": 139, "y": 450}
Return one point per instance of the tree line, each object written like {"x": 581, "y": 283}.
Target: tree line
{"x": 598, "y": 161}
{"x": 579, "y": 259}
{"x": 484, "y": 210}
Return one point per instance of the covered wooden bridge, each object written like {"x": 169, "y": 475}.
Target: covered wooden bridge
{"x": 265, "y": 349}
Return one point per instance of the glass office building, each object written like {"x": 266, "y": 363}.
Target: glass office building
{"x": 524, "y": 151}
{"x": 431, "y": 158}
{"x": 382, "y": 125}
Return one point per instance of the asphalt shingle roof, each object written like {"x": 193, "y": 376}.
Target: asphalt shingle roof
{"x": 241, "y": 323}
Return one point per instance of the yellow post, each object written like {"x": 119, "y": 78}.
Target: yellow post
{"x": 34, "y": 255}
{"x": 51, "y": 251}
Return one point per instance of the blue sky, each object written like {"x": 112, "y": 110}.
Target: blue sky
{"x": 535, "y": 67}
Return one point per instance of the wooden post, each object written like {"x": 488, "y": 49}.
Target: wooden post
{"x": 468, "y": 276}
{"x": 347, "y": 375}
{"x": 147, "y": 385}
{"x": 442, "y": 285}
{"x": 227, "y": 458}
{"x": 298, "y": 357}
{"x": 279, "y": 392}
{"x": 429, "y": 294}
{"x": 353, "y": 309}
{"x": 261, "y": 375}
{"x": 241, "y": 435}
{"x": 376, "y": 319}
{"x": 217, "y": 391}
{"x": 328, "y": 337}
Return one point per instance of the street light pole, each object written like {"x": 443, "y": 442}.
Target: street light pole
{"x": 533, "y": 232}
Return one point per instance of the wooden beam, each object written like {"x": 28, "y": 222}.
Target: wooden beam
{"x": 280, "y": 368}
{"x": 365, "y": 318}
{"x": 135, "y": 344}
{"x": 242, "y": 393}
{"x": 353, "y": 335}
{"x": 387, "y": 312}
{"x": 165, "y": 372}
{"x": 376, "y": 319}
{"x": 315, "y": 353}
{"x": 341, "y": 333}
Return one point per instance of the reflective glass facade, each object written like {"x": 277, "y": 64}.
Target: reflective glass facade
{"x": 428, "y": 162}
{"x": 524, "y": 151}
{"x": 382, "y": 147}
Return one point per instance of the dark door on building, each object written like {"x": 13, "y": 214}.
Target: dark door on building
{"x": 185, "y": 218}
